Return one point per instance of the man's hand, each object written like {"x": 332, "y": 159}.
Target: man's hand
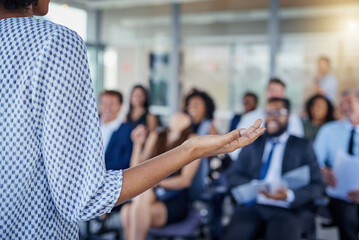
{"x": 210, "y": 145}
{"x": 329, "y": 177}
{"x": 354, "y": 196}
{"x": 280, "y": 194}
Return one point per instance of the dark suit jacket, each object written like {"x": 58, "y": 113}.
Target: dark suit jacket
{"x": 119, "y": 149}
{"x": 234, "y": 122}
{"x": 298, "y": 152}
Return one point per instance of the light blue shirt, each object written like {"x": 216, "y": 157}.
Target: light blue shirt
{"x": 332, "y": 138}
{"x": 329, "y": 84}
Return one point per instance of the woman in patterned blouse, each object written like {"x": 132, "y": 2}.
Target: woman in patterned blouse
{"x": 52, "y": 171}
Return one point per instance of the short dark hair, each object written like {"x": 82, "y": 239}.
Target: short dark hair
{"x": 251, "y": 94}
{"x": 276, "y": 81}
{"x": 285, "y": 102}
{"x": 113, "y": 93}
{"x": 15, "y": 4}
{"x": 208, "y": 101}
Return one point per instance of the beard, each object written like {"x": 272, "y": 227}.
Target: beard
{"x": 282, "y": 129}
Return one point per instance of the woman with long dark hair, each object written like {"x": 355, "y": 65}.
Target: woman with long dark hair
{"x": 139, "y": 109}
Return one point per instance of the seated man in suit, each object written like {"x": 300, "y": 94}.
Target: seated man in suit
{"x": 276, "y": 88}
{"x": 278, "y": 211}
{"x": 116, "y": 135}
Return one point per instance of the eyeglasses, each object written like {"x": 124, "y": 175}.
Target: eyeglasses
{"x": 277, "y": 113}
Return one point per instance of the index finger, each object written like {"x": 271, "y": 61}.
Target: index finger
{"x": 255, "y": 125}
{"x": 255, "y": 130}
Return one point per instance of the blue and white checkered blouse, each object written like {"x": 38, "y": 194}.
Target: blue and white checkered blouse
{"x": 52, "y": 171}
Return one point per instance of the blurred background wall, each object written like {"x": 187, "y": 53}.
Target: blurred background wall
{"x": 225, "y": 47}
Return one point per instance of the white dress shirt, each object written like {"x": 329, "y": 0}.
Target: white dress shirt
{"x": 274, "y": 174}
{"x": 107, "y": 129}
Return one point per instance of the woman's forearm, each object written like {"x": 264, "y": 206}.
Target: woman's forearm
{"x": 142, "y": 177}
{"x": 174, "y": 183}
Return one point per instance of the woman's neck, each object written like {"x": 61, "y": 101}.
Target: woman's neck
{"x": 318, "y": 122}
{"x": 137, "y": 112}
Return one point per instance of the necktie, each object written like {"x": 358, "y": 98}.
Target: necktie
{"x": 266, "y": 164}
{"x": 351, "y": 142}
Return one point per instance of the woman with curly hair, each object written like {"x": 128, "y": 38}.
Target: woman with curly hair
{"x": 52, "y": 170}
{"x": 319, "y": 110}
{"x": 200, "y": 106}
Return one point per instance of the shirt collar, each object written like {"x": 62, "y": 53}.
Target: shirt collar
{"x": 280, "y": 139}
{"x": 349, "y": 126}
{"x": 114, "y": 124}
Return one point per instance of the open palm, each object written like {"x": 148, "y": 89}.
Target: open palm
{"x": 210, "y": 145}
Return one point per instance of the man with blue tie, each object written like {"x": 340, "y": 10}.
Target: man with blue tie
{"x": 116, "y": 135}
{"x": 332, "y": 139}
{"x": 280, "y": 213}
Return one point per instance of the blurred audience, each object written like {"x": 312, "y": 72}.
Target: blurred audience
{"x": 139, "y": 109}
{"x": 325, "y": 83}
{"x": 319, "y": 110}
{"x": 334, "y": 143}
{"x": 250, "y": 101}
{"x": 278, "y": 211}
{"x": 200, "y": 106}
{"x": 168, "y": 201}
{"x": 275, "y": 89}
{"x": 116, "y": 135}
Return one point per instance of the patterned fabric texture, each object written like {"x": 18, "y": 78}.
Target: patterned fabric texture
{"x": 52, "y": 170}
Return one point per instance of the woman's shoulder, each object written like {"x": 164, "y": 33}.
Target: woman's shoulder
{"x": 51, "y": 31}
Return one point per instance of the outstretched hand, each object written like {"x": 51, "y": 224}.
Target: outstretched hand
{"x": 140, "y": 178}
{"x": 210, "y": 145}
